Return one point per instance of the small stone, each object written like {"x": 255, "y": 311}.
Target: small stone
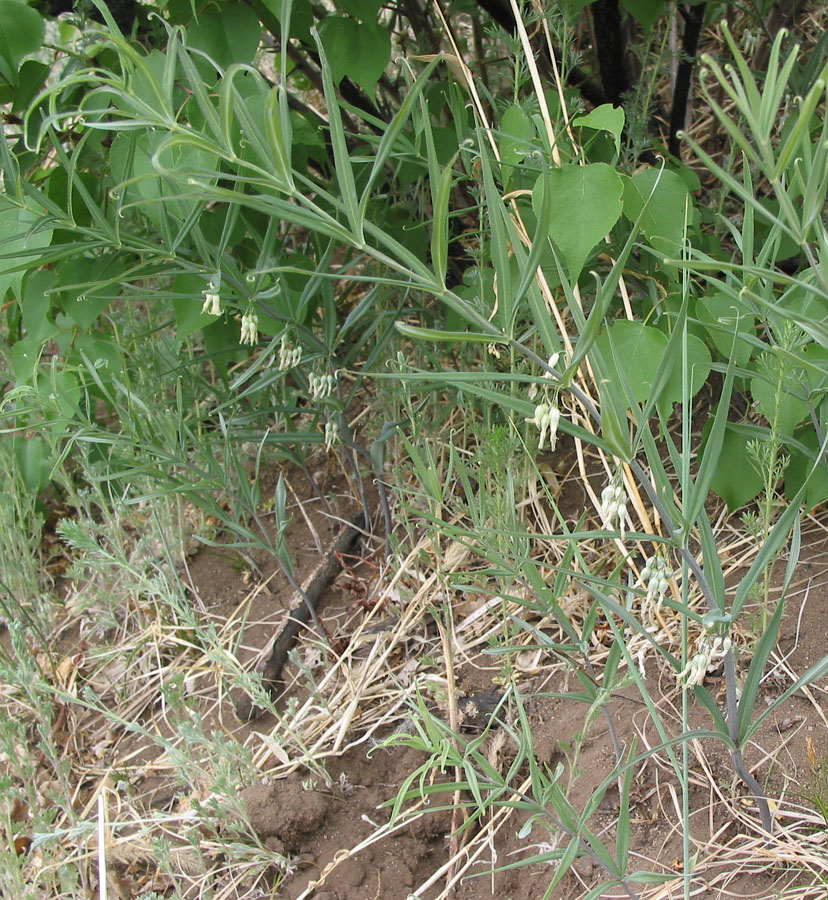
{"x": 584, "y": 866}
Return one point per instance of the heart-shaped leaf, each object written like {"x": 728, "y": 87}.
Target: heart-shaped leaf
{"x": 359, "y": 51}
{"x": 586, "y": 203}
{"x": 21, "y": 32}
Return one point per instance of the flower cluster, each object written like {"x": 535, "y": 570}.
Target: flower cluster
{"x": 212, "y": 297}
{"x": 249, "y": 328}
{"x": 321, "y": 386}
{"x": 710, "y": 649}
{"x": 655, "y": 576}
{"x": 331, "y": 434}
{"x": 289, "y": 357}
{"x": 546, "y": 419}
{"x": 614, "y": 507}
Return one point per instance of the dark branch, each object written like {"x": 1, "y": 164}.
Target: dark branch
{"x": 693, "y": 20}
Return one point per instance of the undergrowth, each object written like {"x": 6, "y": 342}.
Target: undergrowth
{"x": 484, "y": 313}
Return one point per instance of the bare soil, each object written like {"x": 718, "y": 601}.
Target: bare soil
{"x": 324, "y": 816}
{"x": 315, "y": 790}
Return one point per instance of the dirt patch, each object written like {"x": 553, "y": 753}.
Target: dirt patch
{"x": 331, "y": 828}
{"x": 309, "y": 787}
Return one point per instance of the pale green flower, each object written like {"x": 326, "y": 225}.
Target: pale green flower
{"x": 546, "y": 419}
{"x": 212, "y": 297}
{"x": 249, "y": 329}
{"x": 614, "y": 508}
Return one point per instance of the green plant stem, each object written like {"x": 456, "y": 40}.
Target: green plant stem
{"x": 686, "y": 489}
{"x": 640, "y": 476}
{"x": 688, "y": 558}
{"x": 736, "y": 757}
{"x": 770, "y": 486}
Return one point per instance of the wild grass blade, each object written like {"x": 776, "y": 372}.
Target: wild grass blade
{"x": 767, "y": 642}
{"x": 699, "y": 491}
{"x": 342, "y": 157}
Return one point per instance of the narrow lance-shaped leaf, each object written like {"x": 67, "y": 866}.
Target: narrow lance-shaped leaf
{"x": 439, "y": 229}
{"x": 418, "y": 333}
{"x": 395, "y": 128}
{"x": 622, "y": 840}
{"x": 278, "y": 138}
{"x": 539, "y": 242}
{"x": 767, "y": 642}
{"x": 499, "y": 243}
{"x": 342, "y": 158}
{"x": 699, "y": 491}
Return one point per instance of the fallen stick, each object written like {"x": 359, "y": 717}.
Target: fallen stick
{"x": 305, "y": 610}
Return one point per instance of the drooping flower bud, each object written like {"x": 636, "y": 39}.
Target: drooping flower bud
{"x": 249, "y": 329}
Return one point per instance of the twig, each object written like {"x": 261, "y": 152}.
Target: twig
{"x": 271, "y": 666}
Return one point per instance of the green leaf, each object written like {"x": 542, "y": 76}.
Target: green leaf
{"x": 639, "y": 349}
{"x": 733, "y": 478}
{"x": 37, "y": 304}
{"x": 564, "y": 864}
{"x": 792, "y": 410}
{"x": 90, "y": 286}
{"x": 433, "y": 334}
{"x": 813, "y": 674}
{"x": 21, "y": 32}
{"x": 18, "y": 240}
{"x": 32, "y": 462}
{"x": 33, "y": 75}
{"x": 364, "y": 10}
{"x": 342, "y": 159}
{"x": 359, "y": 51}
{"x": 99, "y": 355}
{"x": 704, "y": 697}
{"x": 604, "y": 118}
{"x": 644, "y": 11}
{"x": 24, "y": 357}
{"x": 439, "y": 229}
{"x": 714, "y": 451}
{"x": 766, "y": 644}
{"x": 516, "y": 134}
{"x": 663, "y": 219}
{"x": 229, "y": 35}
{"x": 622, "y": 840}
{"x": 586, "y": 204}
{"x": 301, "y": 16}
{"x": 60, "y": 388}
{"x": 279, "y": 138}
{"x": 771, "y": 546}
{"x": 187, "y": 304}
{"x": 798, "y": 469}
{"x": 700, "y": 363}
{"x": 221, "y": 341}
{"x": 723, "y": 316}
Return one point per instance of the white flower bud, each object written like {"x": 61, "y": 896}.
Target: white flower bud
{"x": 613, "y": 508}
{"x": 212, "y": 304}
{"x": 249, "y": 329}
{"x": 331, "y": 434}
{"x": 212, "y": 296}
{"x": 546, "y": 420}
{"x": 321, "y": 386}
{"x": 710, "y": 650}
{"x": 289, "y": 357}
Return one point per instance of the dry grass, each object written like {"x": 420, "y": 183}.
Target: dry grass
{"x": 131, "y": 689}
